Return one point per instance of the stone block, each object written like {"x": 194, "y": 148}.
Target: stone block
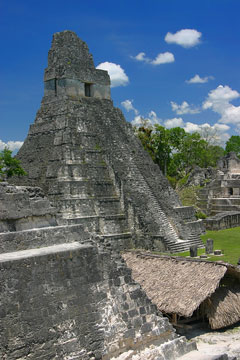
{"x": 193, "y": 251}
{"x": 209, "y": 246}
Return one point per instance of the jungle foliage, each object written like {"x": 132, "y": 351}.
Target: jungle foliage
{"x": 9, "y": 166}
{"x": 177, "y": 152}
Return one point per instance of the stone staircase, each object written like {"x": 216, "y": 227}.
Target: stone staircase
{"x": 167, "y": 232}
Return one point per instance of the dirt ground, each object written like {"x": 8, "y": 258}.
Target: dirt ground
{"x": 211, "y": 342}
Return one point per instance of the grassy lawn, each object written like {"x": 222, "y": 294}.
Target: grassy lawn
{"x": 226, "y": 240}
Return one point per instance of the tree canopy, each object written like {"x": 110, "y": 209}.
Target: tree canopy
{"x": 9, "y": 166}
{"x": 233, "y": 144}
{"x": 177, "y": 152}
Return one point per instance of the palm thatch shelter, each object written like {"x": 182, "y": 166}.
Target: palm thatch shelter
{"x": 188, "y": 289}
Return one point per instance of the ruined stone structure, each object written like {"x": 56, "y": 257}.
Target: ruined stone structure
{"x": 86, "y": 158}
{"x": 223, "y": 193}
{"x": 223, "y": 220}
{"x": 66, "y": 296}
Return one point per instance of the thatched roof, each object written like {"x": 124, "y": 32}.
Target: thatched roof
{"x": 176, "y": 285}
{"x": 223, "y": 308}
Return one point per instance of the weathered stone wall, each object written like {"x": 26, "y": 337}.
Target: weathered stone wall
{"x": 224, "y": 220}
{"x": 24, "y": 208}
{"x": 70, "y": 67}
{"x": 230, "y": 163}
{"x": 72, "y": 301}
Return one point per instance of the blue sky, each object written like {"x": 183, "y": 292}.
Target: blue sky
{"x": 178, "y": 60}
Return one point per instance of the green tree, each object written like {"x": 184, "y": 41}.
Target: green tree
{"x": 144, "y": 133}
{"x": 233, "y": 144}
{"x": 9, "y": 166}
{"x": 177, "y": 152}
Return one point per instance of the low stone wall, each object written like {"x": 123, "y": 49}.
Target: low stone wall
{"x": 223, "y": 220}
{"x": 186, "y": 213}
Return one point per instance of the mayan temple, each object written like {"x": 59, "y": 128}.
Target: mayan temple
{"x": 85, "y": 156}
{"x": 91, "y": 191}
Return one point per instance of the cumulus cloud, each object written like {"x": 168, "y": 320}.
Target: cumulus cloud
{"x": 128, "y": 105}
{"x": 161, "y": 58}
{"x": 184, "y": 108}
{"x": 11, "y": 145}
{"x": 139, "y": 121}
{"x": 141, "y": 57}
{"x": 150, "y": 120}
{"x": 198, "y": 80}
{"x": 219, "y": 101}
{"x": 191, "y": 127}
{"x": 185, "y": 37}
{"x": 153, "y": 118}
{"x": 215, "y": 134}
{"x": 175, "y": 122}
{"x": 117, "y": 74}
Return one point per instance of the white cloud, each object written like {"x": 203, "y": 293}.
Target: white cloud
{"x": 128, "y": 105}
{"x": 221, "y": 127}
{"x": 116, "y": 73}
{"x": 184, "y": 108}
{"x": 163, "y": 58}
{"x": 191, "y": 127}
{"x": 150, "y": 120}
{"x": 153, "y": 118}
{"x": 215, "y": 135}
{"x": 219, "y": 101}
{"x": 175, "y": 122}
{"x": 198, "y": 80}
{"x": 139, "y": 121}
{"x": 11, "y": 145}
{"x": 141, "y": 57}
{"x": 186, "y": 38}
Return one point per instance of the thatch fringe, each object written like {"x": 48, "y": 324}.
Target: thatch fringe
{"x": 175, "y": 286}
{"x": 223, "y": 309}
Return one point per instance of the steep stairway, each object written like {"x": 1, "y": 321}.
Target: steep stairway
{"x": 167, "y": 232}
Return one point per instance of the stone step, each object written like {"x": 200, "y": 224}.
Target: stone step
{"x": 83, "y": 171}
{"x": 118, "y": 241}
{"x": 89, "y": 206}
{"x": 223, "y": 208}
{"x": 85, "y": 188}
{"x": 198, "y": 355}
{"x": 88, "y": 156}
{"x": 36, "y": 238}
{"x": 108, "y": 206}
{"x": 113, "y": 224}
{"x": 43, "y": 251}
{"x": 104, "y": 224}
{"x": 89, "y": 223}
{"x": 226, "y": 201}
{"x": 80, "y": 207}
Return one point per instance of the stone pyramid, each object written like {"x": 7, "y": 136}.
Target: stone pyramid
{"x": 85, "y": 156}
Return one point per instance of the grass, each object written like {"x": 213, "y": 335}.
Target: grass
{"x": 226, "y": 240}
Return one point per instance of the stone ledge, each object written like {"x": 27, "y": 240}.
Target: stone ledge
{"x": 24, "y": 254}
